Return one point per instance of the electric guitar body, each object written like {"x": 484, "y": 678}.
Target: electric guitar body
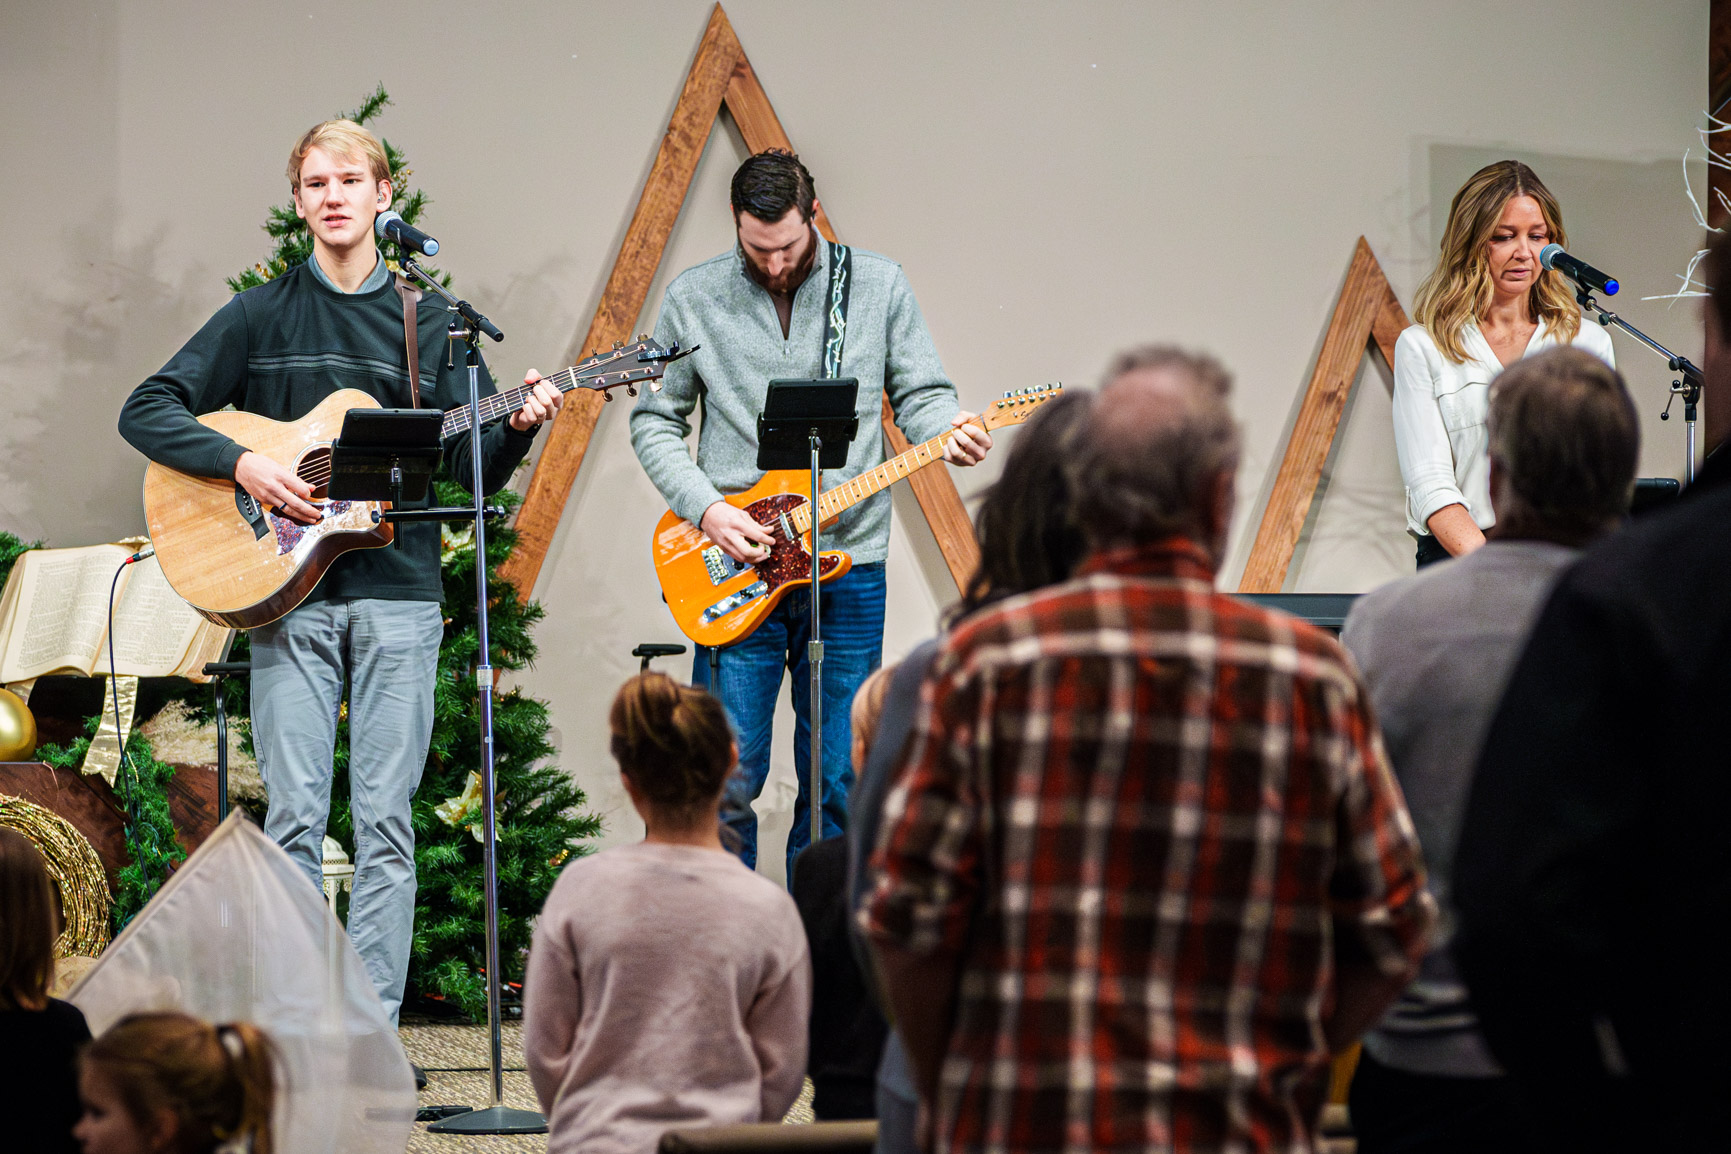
{"x": 716, "y": 600}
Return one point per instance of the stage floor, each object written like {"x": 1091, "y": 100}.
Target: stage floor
{"x": 455, "y": 1059}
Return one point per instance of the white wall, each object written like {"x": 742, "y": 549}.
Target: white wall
{"x": 1060, "y": 180}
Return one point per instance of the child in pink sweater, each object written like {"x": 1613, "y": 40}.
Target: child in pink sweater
{"x": 668, "y": 985}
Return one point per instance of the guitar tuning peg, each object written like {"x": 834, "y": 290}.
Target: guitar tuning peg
{"x": 606, "y": 394}
{"x": 631, "y": 388}
{"x": 617, "y": 345}
{"x": 643, "y": 336}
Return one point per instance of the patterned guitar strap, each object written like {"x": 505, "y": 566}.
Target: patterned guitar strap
{"x": 835, "y": 309}
{"x": 411, "y": 298}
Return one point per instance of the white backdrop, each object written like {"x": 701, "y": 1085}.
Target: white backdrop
{"x": 1060, "y": 180}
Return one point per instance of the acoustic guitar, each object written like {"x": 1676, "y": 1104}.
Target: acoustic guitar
{"x": 243, "y": 566}
{"x": 718, "y": 601}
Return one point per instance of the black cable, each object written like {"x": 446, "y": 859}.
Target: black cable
{"x": 130, "y": 795}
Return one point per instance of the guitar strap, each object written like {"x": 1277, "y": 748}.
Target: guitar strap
{"x": 411, "y": 341}
{"x": 835, "y": 308}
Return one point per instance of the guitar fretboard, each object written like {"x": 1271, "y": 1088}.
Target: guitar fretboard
{"x": 584, "y": 375}
{"x": 1012, "y": 409}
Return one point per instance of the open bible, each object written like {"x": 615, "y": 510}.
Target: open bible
{"x": 54, "y": 619}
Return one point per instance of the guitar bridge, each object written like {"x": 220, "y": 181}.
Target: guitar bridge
{"x": 734, "y": 601}
{"x": 722, "y": 568}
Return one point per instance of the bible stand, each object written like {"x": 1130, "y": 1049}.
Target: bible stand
{"x": 810, "y": 423}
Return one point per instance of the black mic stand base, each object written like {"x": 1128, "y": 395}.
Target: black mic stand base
{"x": 491, "y": 1120}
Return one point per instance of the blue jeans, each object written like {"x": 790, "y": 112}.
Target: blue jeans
{"x": 751, "y": 672}
{"x": 390, "y": 651}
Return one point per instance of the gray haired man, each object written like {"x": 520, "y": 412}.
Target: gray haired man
{"x": 1436, "y": 651}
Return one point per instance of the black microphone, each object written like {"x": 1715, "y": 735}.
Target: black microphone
{"x": 391, "y": 226}
{"x": 1552, "y": 256}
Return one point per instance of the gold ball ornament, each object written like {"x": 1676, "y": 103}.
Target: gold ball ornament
{"x": 17, "y": 728}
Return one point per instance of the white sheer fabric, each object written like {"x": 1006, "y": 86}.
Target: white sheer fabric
{"x": 239, "y": 934}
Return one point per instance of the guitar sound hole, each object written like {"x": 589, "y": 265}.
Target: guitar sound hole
{"x": 314, "y": 468}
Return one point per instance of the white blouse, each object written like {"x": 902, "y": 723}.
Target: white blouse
{"x": 1440, "y": 410}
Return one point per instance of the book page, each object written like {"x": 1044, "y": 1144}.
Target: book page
{"x": 62, "y": 611}
{"x": 153, "y": 627}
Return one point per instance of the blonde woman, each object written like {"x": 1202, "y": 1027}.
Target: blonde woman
{"x": 1487, "y": 304}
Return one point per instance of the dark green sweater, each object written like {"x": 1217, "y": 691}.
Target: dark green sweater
{"x": 278, "y": 350}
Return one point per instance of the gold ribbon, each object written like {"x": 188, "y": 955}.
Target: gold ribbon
{"x": 103, "y": 756}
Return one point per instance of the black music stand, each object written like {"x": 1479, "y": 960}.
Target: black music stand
{"x": 810, "y": 424}
{"x": 388, "y": 455}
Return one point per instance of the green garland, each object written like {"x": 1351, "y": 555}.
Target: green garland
{"x": 142, "y": 783}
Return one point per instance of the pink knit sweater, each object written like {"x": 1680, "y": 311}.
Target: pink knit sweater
{"x": 668, "y": 987}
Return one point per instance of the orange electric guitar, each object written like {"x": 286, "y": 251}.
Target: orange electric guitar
{"x": 243, "y": 566}
{"x": 717, "y": 601}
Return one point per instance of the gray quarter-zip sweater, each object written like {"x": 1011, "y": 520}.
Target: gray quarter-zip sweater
{"x": 718, "y": 306}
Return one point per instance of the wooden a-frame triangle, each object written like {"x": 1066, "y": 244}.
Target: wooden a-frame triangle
{"x": 1366, "y": 312}
{"x": 720, "y": 75}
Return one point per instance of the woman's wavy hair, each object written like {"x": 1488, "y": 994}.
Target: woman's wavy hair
{"x": 1459, "y": 289}
{"x": 219, "y": 1082}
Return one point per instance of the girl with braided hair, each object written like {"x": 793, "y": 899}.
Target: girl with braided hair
{"x": 170, "y": 1083}
{"x": 668, "y": 984}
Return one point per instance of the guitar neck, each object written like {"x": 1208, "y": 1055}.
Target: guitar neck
{"x": 833, "y": 502}
{"x": 505, "y": 403}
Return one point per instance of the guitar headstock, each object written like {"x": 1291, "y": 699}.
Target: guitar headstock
{"x": 1018, "y": 405}
{"x": 628, "y": 364}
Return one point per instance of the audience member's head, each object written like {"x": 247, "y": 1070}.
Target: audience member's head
{"x": 1027, "y": 532}
{"x": 1564, "y": 444}
{"x": 868, "y": 707}
{"x": 167, "y": 1083}
{"x": 27, "y": 924}
{"x": 1716, "y": 360}
{"x": 674, "y": 747}
{"x": 1157, "y": 456}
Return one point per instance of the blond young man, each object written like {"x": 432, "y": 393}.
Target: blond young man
{"x": 374, "y": 620}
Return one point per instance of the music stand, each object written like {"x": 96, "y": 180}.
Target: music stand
{"x": 387, "y": 455}
{"x": 810, "y": 423}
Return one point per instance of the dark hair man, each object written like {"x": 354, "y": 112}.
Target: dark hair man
{"x": 1435, "y": 651}
{"x": 279, "y": 349}
{"x": 1593, "y": 871}
{"x": 1145, "y": 864}
{"x": 759, "y": 313}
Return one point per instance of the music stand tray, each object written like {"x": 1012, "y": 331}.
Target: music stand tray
{"x": 386, "y": 455}
{"x": 794, "y": 410}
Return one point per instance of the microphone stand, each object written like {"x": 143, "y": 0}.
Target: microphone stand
{"x": 1687, "y": 386}
{"x": 496, "y": 1118}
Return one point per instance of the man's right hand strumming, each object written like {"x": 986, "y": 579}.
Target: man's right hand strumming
{"x": 733, "y": 529}
{"x": 275, "y": 487}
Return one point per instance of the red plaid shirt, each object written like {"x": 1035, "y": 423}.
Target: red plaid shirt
{"x": 1140, "y": 811}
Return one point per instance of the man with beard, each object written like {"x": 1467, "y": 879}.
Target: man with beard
{"x": 760, "y": 312}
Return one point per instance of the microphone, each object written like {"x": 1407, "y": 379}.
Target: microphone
{"x": 391, "y": 226}
{"x": 1552, "y": 256}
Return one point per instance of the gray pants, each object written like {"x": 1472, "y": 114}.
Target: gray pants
{"x": 390, "y": 650}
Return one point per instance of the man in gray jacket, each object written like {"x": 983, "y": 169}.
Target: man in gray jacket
{"x": 759, "y": 313}
{"x": 1436, "y": 651}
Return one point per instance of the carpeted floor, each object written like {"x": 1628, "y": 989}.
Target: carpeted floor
{"x": 455, "y": 1059}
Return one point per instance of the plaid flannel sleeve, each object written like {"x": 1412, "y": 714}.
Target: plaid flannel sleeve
{"x": 1378, "y": 891}
{"x": 924, "y": 868}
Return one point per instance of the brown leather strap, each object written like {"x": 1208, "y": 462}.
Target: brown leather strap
{"x": 411, "y": 299}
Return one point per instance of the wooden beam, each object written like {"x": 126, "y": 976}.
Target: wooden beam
{"x": 1367, "y": 308}
{"x": 627, "y": 291}
{"x": 933, "y": 488}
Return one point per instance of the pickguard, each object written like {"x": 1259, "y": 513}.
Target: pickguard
{"x": 292, "y": 536}
{"x": 788, "y": 558}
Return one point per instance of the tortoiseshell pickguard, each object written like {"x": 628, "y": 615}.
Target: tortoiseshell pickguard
{"x": 788, "y": 558}
{"x": 289, "y": 531}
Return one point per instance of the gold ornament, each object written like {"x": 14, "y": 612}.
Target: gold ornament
{"x": 17, "y": 728}
{"x": 76, "y": 870}
{"x": 453, "y": 810}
